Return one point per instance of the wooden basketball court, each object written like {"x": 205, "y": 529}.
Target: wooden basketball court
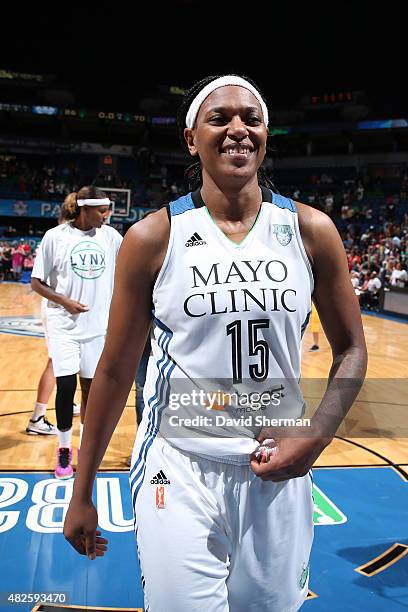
{"x": 360, "y": 484}
{"x": 23, "y": 359}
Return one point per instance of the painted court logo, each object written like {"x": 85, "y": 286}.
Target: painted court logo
{"x": 22, "y": 326}
{"x": 283, "y": 233}
{"x": 325, "y": 511}
{"x": 88, "y": 259}
{"x": 37, "y": 503}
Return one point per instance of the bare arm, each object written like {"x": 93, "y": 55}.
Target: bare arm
{"x": 340, "y": 316}
{"x": 138, "y": 263}
{"x": 73, "y": 306}
{"x": 339, "y": 312}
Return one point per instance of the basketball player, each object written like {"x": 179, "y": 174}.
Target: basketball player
{"x": 78, "y": 260}
{"x": 38, "y": 423}
{"x": 315, "y": 329}
{"x": 223, "y": 513}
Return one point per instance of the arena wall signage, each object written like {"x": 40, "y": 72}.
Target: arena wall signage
{"x": 39, "y": 209}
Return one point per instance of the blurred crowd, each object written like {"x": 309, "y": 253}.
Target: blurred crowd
{"x": 39, "y": 180}
{"x": 152, "y": 183}
{"x": 370, "y": 212}
{"x": 377, "y": 260}
{"x": 15, "y": 258}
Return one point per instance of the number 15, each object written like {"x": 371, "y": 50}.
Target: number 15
{"x": 257, "y": 371}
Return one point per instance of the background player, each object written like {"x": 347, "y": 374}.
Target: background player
{"x": 223, "y": 531}
{"x": 315, "y": 328}
{"x": 38, "y": 423}
{"x": 78, "y": 258}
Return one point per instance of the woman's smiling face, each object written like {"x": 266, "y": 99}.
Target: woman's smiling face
{"x": 229, "y": 135}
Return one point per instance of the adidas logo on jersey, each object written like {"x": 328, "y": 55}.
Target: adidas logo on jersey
{"x": 160, "y": 479}
{"x": 195, "y": 240}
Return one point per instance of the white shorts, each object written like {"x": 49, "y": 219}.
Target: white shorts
{"x": 71, "y": 356}
{"x": 213, "y": 536}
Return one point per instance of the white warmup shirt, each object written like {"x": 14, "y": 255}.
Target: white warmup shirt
{"x": 399, "y": 278}
{"x": 80, "y": 265}
{"x": 227, "y": 317}
{"x": 374, "y": 285}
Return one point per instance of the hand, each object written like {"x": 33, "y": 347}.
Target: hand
{"x": 73, "y": 306}
{"x": 80, "y": 526}
{"x": 293, "y": 458}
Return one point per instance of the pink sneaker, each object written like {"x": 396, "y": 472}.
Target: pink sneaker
{"x": 64, "y": 467}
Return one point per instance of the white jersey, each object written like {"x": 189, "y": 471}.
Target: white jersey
{"x": 399, "y": 278}
{"x": 80, "y": 265}
{"x": 227, "y": 318}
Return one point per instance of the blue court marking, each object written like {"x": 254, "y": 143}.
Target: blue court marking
{"x": 33, "y": 560}
{"x": 375, "y": 501}
{"x": 388, "y": 317}
{"x": 34, "y": 556}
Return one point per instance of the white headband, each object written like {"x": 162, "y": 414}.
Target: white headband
{"x": 216, "y": 84}
{"x": 94, "y": 202}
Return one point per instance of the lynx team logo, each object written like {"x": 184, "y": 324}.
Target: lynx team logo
{"x": 88, "y": 259}
{"x": 283, "y": 233}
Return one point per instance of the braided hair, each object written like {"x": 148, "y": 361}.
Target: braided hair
{"x": 193, "y": 174}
